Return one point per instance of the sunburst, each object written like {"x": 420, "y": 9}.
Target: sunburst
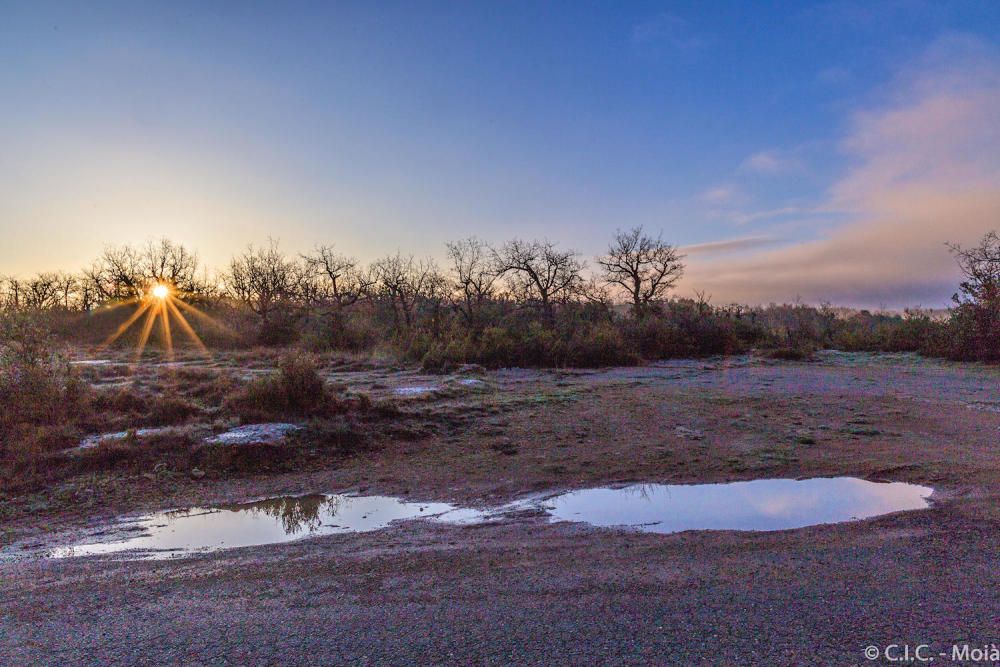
{"x": 160, "y": 302}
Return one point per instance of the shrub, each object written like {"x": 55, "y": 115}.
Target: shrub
{"x": 497, "y": 347}
{"x": 280, "y": 329}
{"x": 170, "y": 410}
{"x": 974, "y": 333}
{"x": 599, "y": 345}
{"x": 975, "y": 321}
{"x": 40, "y": 393}
{"x": 790, "y": 353}
{"x": 295, "y": 390}
{"x": 340, "y": 330}
{"x": 684, "y": 329}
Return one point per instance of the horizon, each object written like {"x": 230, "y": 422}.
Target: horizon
{"x": 827, "y": 155}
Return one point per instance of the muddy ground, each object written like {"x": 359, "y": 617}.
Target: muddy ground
{"x": 525, "y": 591}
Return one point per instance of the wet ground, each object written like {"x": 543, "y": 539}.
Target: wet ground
{"x": 759, "y": 505}
{"x": 530, "y": 590}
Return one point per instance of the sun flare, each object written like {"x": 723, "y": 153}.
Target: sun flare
{"x": 160, "y": 302}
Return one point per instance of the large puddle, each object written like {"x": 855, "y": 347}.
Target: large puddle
{"x": 199, "y": 530}
{"x": 767, "y": 504}
{"x": 761, "y": 505}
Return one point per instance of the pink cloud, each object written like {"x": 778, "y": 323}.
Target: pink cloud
{"x": 926, "y": 170}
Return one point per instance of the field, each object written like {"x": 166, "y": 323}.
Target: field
{"x": 521, "y": 589}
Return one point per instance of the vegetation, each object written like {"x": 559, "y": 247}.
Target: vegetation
{"x": 40, "y": 393}
{"x": 522, "y": 303}
{"x": 295, "y": 390}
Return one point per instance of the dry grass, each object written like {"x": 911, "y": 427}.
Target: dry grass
{"x": 296, "y": 390}
{"x": 53, "y": 406}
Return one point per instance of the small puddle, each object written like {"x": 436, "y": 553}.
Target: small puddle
{"x": 768, "y": 504}
{"x": 275, "y": 520}
{"x": 760, "y": 505}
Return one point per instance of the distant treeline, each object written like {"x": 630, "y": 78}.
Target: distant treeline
{"x": 522, "y": 303}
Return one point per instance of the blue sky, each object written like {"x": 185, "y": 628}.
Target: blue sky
{"x": 740, "y": 130}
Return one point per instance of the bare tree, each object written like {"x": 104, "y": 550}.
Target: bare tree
{"x": 10, "y": 293}
{"x": 644, "y": 267}
{"x": 980, "y": 266}
{"x": 164, "y": 261}
{"x": 596, "y": 292}
{"x": 539, "y": 271}
{"x": 474, "y": 278}
{"x": 125, "y": 272}
{"x": 46, "y": 290}
{"x": 341, "y": 280}
{"x": 43, "y": 291}
{"x": 404, "y": 280}
{"x": 265, "y": 280}
{"x": 116, "y": 275}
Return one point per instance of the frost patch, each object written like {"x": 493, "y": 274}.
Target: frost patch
{"x": 251, "y": 434}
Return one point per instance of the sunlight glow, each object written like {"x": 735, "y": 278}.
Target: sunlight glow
{"x": 160, "y": 302}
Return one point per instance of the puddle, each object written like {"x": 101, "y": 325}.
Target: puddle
{"x": 254, "y": 434}
{"x": 275, "y": 520}
{"x": 761, "y": 505}
{"x": 91, "y": 362}
{"x": 770, "y": 504}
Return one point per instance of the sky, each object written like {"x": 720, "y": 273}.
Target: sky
{"x": 821, "y": 152}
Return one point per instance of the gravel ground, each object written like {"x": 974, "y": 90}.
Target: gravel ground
{"x": 527, "y": 592}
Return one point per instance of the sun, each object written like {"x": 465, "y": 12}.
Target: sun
{"x": 162, "y": 302}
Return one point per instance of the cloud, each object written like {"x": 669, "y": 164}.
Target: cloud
{"x": 665, "y": 29}
{"x": 770, "y": 162}
{"x": 720, "y": 194}
{"x": 925, "y": 169}
{"x": 728, "y": 245}
{"x": 783, "y": 212}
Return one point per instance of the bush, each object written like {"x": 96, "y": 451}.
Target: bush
{"x": 684, "y": 329}
{"x": 339, "y": 330}
{"x": 171, "y": 410}
{"x": 799, "y": 353}
{"x": 295, "y": 390}
{"x": 280, "y": 329}
{"x": 40, "y": 393}
{"x": 974, "y": 333}
{"x": 600, "y": 345}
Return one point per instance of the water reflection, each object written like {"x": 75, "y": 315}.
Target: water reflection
{"x": 769, "y": 504}
{"x": 274, "y": 520}
{"x": 296, "y": 514}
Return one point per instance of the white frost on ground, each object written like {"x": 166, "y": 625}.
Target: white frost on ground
{"x": 92, "y": 441}
{"x": 250, "y": 434}
{"x": 415, "y": 391}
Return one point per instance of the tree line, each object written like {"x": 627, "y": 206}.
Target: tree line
{"x": 640, "y": 267}
{"x": 519, "y": 302}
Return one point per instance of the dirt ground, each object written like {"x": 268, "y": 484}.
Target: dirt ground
{"x": 525, "y": 591}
